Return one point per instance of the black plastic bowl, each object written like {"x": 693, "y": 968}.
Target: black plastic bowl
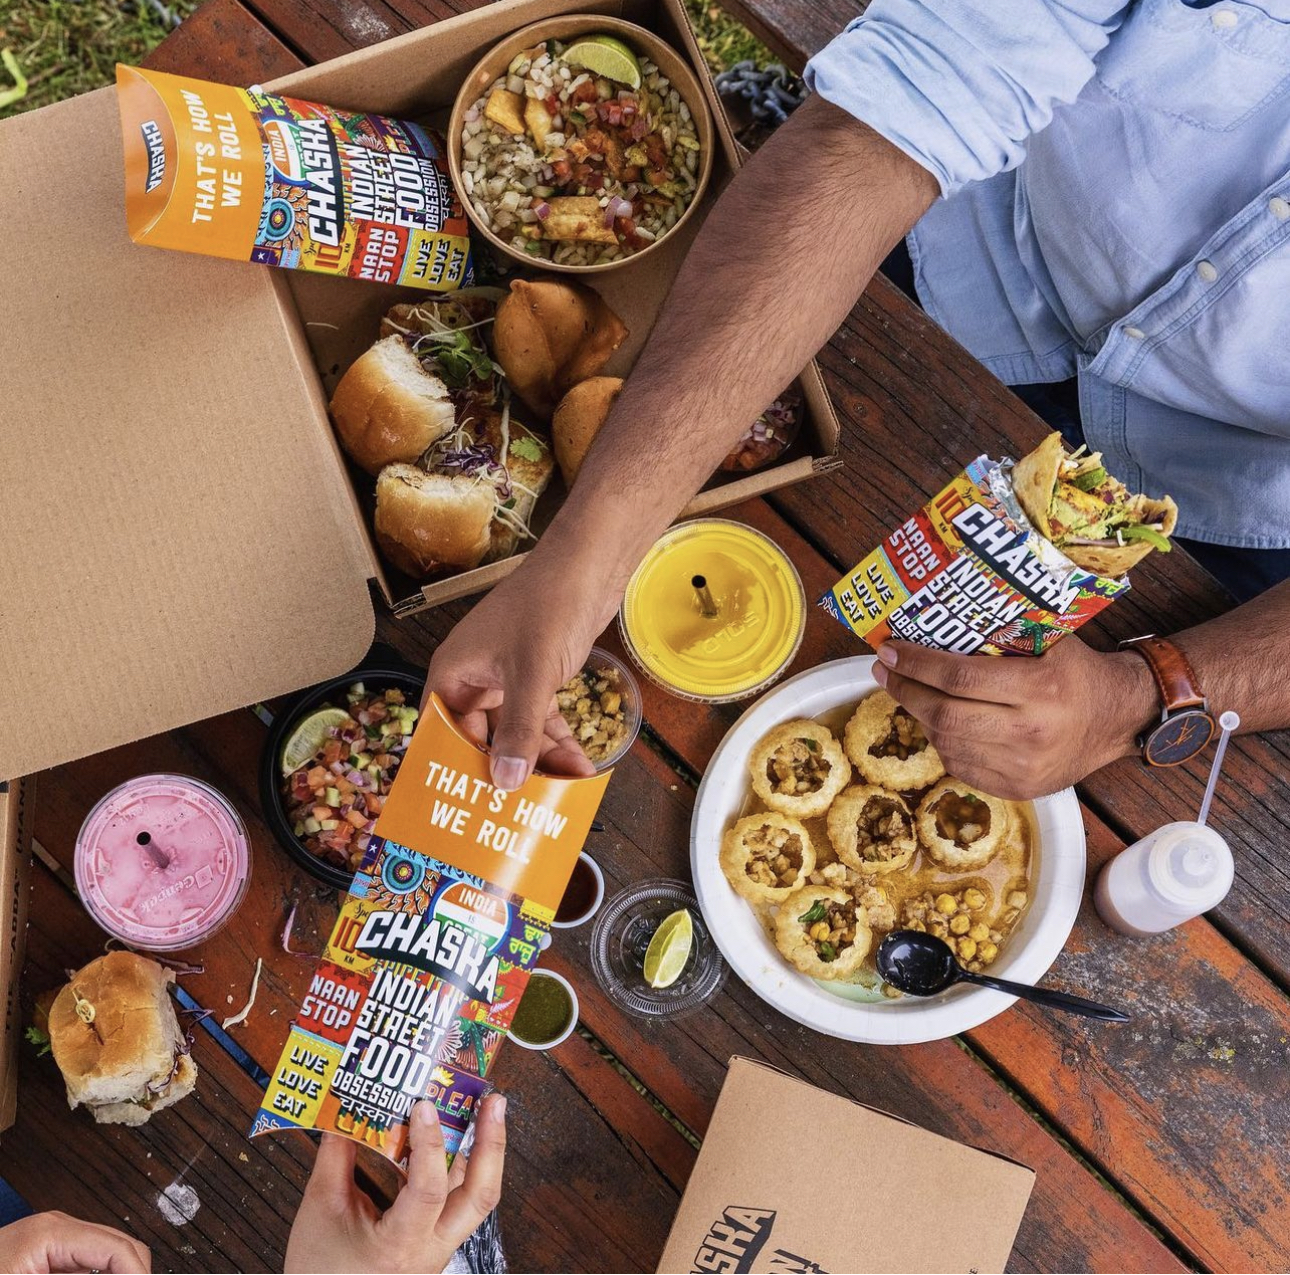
{"x": 383, "y": 676}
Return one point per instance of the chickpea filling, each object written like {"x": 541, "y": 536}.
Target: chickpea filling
{"x": 830, "y": 927}
{"x": 797, "y": 768}
{"x": 962, "y": 818}
{"x": 775, "y": 858}
{"x": 904, "y": 740}
{"x": 881, "y": 822}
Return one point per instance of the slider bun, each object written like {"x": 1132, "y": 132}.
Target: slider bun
{"x": 133, "y": 1042}
{"x": 550, "y": 335}
{"x": 578, "y": 419}
{"x": 428, "y": 521}
{"x": 388, "y": 408}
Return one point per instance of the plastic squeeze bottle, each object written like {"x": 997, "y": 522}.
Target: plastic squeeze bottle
{"x": 1170, "y": 876}
{"x": 1174, "y": 873}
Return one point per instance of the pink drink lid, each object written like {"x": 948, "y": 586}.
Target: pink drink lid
{"x": 162, "y": 862}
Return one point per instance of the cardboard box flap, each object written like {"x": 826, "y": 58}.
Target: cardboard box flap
{"x": 770, "y": 1190}
{"x": 179, "y": 536}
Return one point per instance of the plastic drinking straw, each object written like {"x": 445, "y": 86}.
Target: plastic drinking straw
{"x": 1229, "y": 722}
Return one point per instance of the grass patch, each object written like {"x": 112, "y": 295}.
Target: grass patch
{"x": 723, "y": 40}
{"x": 66, "y": 47}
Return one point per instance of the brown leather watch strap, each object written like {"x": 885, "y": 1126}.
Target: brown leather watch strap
{"x": 1174, "y": 676}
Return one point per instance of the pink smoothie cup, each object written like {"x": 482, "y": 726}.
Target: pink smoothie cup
{"x": 162, "y": 862}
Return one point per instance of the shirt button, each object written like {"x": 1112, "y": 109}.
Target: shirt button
{"x": 1207, "y": 271}
{"x": 1279, "y": 208}
{"x": 1224, "y": 19}
{"x": 1136, "y": 333}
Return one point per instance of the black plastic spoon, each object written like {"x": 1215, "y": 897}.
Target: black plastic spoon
{"x": 922, "y": 965}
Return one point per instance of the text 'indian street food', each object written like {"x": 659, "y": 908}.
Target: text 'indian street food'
{"x": 829, "y": 868}
{"x": 799, "y": 768}
{"x": 1091, "y": 516}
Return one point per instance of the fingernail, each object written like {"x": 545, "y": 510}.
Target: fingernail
{"x": 497, "y": 1108}
{"x": 508, "y": 772}
{"x": 425, "y": 1113}
{"x": 888, "y": 654}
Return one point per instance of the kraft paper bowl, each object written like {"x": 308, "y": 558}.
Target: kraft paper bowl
{"x": 663, "y": 55}
{"x": 384, "y": 676}
{"x": 843, "y": 1010}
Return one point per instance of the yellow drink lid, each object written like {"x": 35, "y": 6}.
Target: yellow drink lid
{"x": 715, "y": 611}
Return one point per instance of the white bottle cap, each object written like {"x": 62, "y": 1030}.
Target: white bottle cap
{"x": 1191, "y": 866}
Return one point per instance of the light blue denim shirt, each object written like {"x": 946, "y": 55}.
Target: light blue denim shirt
{"x": 1116, "y": 205}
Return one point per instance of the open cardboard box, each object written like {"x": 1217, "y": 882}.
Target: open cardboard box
{"x": 794, "y": 1178}
{"x": 182, "y": 534}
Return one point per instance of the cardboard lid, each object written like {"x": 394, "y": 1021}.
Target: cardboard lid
{"x": 179, "y": 537}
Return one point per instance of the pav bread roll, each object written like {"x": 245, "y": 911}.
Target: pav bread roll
{"x": 388, "y": 408}
{"x": 117, "y": 1041}
{"x": 549, "y": 335}
{"x": 428, "y": 521}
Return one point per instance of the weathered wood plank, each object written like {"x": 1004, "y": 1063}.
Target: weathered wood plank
{"x": 1186, "y": 1106}
{"x": 223, "y": 40}
{"x": 795, "y": 29}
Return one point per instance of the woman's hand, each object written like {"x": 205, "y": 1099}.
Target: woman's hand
{"x": 56, "y": 1242}
{"x": 1022, "y": 728}
{"x": 339, "y": 1228}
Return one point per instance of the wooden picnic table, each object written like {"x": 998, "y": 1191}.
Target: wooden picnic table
{"x": 1158, "y": 1146}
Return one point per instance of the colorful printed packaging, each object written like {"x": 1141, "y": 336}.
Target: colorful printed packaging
{"x": 245, "y": 174}
{"x": 433, "y": 946}
{"x": 967, "y": 573}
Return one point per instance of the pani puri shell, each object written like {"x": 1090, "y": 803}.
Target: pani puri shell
{"x": 855, "y": 828}
{"x": 792, "y": 934}
{"x": 962, "y": 836}
{"x": 750, "y": 857}
{"x": 799, "y": 768}
{"x": 871, "y": 726}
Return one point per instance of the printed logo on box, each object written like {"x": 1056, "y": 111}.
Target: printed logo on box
{"x": 735, "y": 1241}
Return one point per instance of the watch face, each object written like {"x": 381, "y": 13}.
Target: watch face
{"x": 1182, "y": 736}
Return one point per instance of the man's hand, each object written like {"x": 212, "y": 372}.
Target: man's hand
{"x": 499, "y": 668}
{"x": 338, "y": 1228}
{"x": 1022, "y": 728}
{"x": 56, "y": 1242}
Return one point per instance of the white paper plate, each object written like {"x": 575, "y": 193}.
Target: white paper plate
{"x": 1057, "y": 883}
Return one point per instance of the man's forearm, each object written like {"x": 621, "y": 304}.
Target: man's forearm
{"x": 1241, "y": 660}
{"x": 783, "y": 256}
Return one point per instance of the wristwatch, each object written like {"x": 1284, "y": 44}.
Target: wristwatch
{"x": 1186, "y": 725}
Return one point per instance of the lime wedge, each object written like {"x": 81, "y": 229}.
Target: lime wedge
{"x": 604, "y": 55}
{"x": 308, "y": 738}
{"x": 669, "y": 949}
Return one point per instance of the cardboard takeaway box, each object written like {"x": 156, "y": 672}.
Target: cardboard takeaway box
{"x": 791, "y": 1178}
{"x": 15, "y": 883}
{"x": 182, "y": 534}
